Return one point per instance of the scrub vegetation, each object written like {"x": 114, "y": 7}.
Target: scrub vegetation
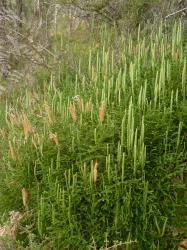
{"x": 93, "y": 154}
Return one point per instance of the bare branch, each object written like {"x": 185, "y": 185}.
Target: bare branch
{"x": 176, "y": 12}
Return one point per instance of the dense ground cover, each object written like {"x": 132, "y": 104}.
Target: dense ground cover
{"x": 102, "y": 152}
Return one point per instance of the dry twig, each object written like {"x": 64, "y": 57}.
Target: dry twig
{"x": 176, "y": 12}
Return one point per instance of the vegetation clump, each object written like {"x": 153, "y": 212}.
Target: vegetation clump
{"x": 98, "y": 150}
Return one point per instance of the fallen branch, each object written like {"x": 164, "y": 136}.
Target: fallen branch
{"x": 176, "y": 12}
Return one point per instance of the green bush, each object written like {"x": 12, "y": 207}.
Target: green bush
{"x": 102, "y": 152}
